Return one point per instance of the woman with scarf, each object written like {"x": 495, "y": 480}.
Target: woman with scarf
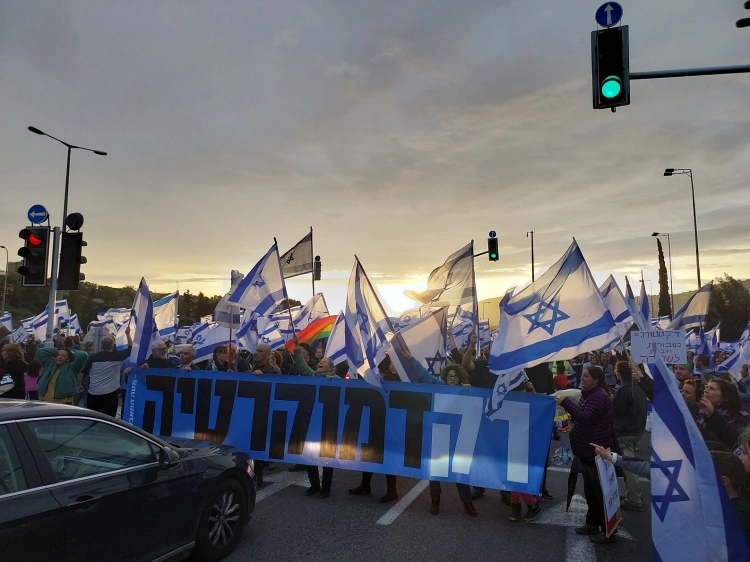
{"x": 722, "y": 416}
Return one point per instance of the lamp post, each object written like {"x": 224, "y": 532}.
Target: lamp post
{"x": 51, "y": 316}
{"x": 669, "y": 249}
{"x": 689, "y": 172}
{"x": 532, "y": 253}
{"x": 5, "y": 282}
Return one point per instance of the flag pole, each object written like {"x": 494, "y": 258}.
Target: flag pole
{"x": 475, "y": 303}
{"x": 288, "y": 304}
{"x": 312, "y": 253}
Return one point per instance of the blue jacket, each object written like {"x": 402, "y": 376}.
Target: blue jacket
{"x": 67, "y": 382}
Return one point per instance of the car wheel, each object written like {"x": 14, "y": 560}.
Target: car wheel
{"x": 221, "y": 522}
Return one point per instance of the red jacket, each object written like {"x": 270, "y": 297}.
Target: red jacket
{"x": 592, "y": 422}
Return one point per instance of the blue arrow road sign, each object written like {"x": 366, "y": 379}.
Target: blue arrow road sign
{"x": 38, "y": 214}
{"x": 609, "y": 14}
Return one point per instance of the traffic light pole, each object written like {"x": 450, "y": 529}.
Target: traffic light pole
{"x": 681, "y": 73}
{"x": 51, "y": 315}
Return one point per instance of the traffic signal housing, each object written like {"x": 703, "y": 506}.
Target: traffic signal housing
{"x": 69, "y": 273}
{"x": 610, "y": 67}
{"x": 35, "y": 254}
{"x": 318, "y": 267}
{"x": 492, "y": 249}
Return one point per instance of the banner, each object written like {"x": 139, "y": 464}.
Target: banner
{"x": 430, "y": 432}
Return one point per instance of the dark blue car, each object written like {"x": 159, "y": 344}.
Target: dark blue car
{"x": 79, "y": 485}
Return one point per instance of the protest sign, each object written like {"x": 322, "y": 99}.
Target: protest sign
{"x": 611, "y": 492}
{"x": 669, "y": 345}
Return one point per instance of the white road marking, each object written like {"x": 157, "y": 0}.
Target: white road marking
{"x": 574, "y": 517}
{"x": 279, "y": 481}
{"x": 391, "y": 515}
{"x": 567, "y": 471}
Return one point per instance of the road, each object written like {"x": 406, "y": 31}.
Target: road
{"x": 289, "y": 526}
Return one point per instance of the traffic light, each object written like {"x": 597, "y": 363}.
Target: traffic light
{"x": 35, "y": 254}
{"x": 610, "y": 67}
{"x": 318, "y": 269}
{"x": 69, "y": 273}
{"x": 492, "y": 249}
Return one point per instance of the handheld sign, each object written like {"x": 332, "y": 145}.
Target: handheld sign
{"x": 38, "y": 214}
{"x": 667, "y": 344}
{"x": 609, "y": 14}
{"x": 611, "y": 492}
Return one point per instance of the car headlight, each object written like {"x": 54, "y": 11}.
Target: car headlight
{"x": 251, "y": 467}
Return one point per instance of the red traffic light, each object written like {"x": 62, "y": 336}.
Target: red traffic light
{"x": 28, "y": 235}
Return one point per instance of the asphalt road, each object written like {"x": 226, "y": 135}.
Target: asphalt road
{"x": 289, "y": 526}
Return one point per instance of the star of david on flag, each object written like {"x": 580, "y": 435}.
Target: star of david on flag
{"x": 263, "y": 287}
{"x": 692, "y": 518}
{"x": 559, "y": 316}
{"x": 541, "y": 318}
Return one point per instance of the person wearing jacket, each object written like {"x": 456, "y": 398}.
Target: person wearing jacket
{"x": 325, "y": 369}
{"x": 61, "y": 374}
{"x": 592, "y": 423}
{"x": 15, "y": 366}
{"x": 639, "y": 467}
{"x": 722, "y": 416}
{"x": 629, "y": 412}
{"x": 452, "y": 375}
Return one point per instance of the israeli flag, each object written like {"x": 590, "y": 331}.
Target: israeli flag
{"x": 165, "y": 314}
{"x": 693, "y": 313}
{"x": 263, "y": 287}
{"x": 407, "y": 318}
{"x": 38, "y": 326}
{"x": 660, "y": 323}
{"x": 692, "y": 519}
{"x": 248, "y": 336}
{"x": 425, "y": 339}
{"x": 117, "y": 315}
{"x": 484, "y": 333}
{"x": 643, "y": 307}
{"x": 503, "y": 385}
{"x": 630, "y": 301}
{"x": 451, "y": 284}
{"x": 617, "y": 306}
{"x": 336, "y": 345}
{"x": 559, "y": 316}
{"x": 714, "y": 337}
{"x": 367, "y": 327}
{"x": 74, "y": 325}
{"x": 7, "y": 320}
{"x": 19, "y": 335}
{"x": 142, "y": 316}
{"x": 211, "y": 336}
{"x": 62, "y": 310}
{"x": 740, "y": 356}
{"x": 314, "y": 309}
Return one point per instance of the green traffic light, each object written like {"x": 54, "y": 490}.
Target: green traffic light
{"x": 611, "y": 87}
{"x": 493, "y": 255}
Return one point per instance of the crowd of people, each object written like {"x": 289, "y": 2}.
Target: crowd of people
{"x": 608, "y": 420}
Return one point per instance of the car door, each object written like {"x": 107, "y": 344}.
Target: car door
{"x": 31, "y": 526}
{"x": 117, "y": 502}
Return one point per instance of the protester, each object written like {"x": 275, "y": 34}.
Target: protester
{"x": 609, "y": 371}
{"x": 186, "y": 355}
{"x": 30, "y": 348}
{"x": 639, "y": 467}
{"x": 325, "y": 369}
{"x": 743, "y": 387}
{"x": 452, "y": 375}
{"x": 722, "y": 416}
{"x": 241, "y": 365}
{"x": 629, "y": 412}
{"x": 592, "y": 423}
{"x": 158, "y": 358}
{"x": 702, "y": 367}
{"x": 682, "y": 373}
{"x": 15, "y": 366}
{"x": 261, "y": 361}
{"x": 532, "y": 511}
{"x": 103, "y": 370}
{"x": 220, "y": 360}
{"x": 61, "y": 374}
{"x": 31, "y": 379}
{"x": 689, "y": 392}
{"x": 732, "y": 473}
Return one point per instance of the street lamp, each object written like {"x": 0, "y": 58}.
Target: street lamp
{"x": 532, "y": 253}
{"x": 689, "y": 172}
{"x": 52, "y": 317}
{"x": 669, "y": 247}
{"x": 5, "y": 282}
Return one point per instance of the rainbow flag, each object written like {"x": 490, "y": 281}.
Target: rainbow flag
{"x": 318, "y": 331}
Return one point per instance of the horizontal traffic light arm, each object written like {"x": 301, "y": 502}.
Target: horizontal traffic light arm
{"x": 681, "y": 73}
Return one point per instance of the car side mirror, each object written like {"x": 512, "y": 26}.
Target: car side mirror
{"x": 168, "y": 458}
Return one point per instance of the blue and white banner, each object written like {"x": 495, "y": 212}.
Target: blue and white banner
{"x": 165, "y": 315}
{"x": 616, "y": 304}
{"x": 146, "y": 333}
{"x": 263, "y": 287}
{"x": 433, "y": 432}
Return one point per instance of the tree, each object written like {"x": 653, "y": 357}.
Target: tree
{"x": 730, "y": 305}
{"x": 665, "y": 303}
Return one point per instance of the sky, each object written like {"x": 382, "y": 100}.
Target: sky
{"x": 398, "y": 130}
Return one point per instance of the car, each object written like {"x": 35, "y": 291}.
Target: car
{"x": 79, "y": 485}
